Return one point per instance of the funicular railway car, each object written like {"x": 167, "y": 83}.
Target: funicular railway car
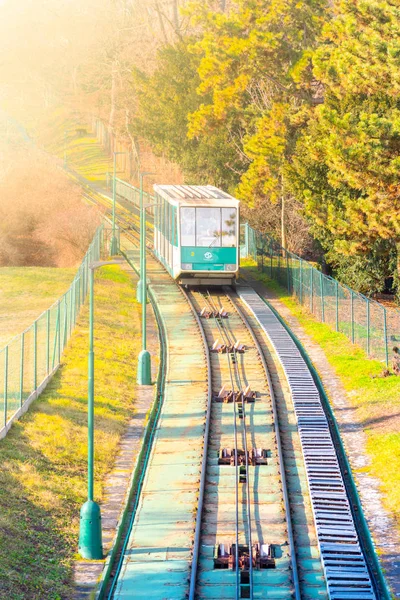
{"x": 196, "y": 234}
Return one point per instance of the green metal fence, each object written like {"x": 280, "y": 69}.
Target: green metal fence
{"x": 365, "y": 322}
{"x": 30, "y": 359}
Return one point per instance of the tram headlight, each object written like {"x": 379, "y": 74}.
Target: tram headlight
{"x": 187, "y": 266}
{"x": 230, "y": 267}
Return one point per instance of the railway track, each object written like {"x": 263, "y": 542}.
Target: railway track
{"x": 273, "y": 517}
{"x": 248, "y": 546}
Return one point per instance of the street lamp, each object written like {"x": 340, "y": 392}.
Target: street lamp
{"x": 142, "y": 245}
{"x": 114, "y": 243}
{"x": 90, "y": 543}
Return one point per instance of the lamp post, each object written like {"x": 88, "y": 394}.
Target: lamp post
{"x": 114, "y": 243}
{"x": 90, "y": 542}
{"x": 142, "y": 245}
{"x": 144, "y": 361}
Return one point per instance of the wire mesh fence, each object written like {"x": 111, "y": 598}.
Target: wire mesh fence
{"x": 364, "y": 321}
{"x": 30, "y": 358}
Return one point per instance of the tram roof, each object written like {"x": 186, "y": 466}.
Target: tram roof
{"x": 188, "y": 195}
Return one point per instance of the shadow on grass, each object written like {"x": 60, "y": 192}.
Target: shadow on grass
{"x": 33, "y": 549}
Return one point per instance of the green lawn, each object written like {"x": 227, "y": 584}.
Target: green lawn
{"x": 25, "y": 292}
{"x": 376, "y": 399}
{"x": 43, "y": 458}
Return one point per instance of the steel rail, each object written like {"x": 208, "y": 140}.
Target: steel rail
{"x": 285, "y": 493}
{"x": 153, "y": 427}
{"x": 231, "y": 341}
{"x": 197, "y": 534}
{"x": 236, "y": 457}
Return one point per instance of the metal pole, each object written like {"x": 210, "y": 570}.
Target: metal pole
{"x": 5, "y": 383}
{"x": 368, "y": 329}
{"x": 322, "y": 297}
{"x": 90, "y": 542}
{"x": 144, "y": 290}
{"x": 65, "y": 321}
{"x": 48, "y": 341}
{"x": 287, "y": 272}
{"x": 139, "y": 293}
{"x": 312, "y": 290}
{"x": 301, "y": 282}
{"x": 59, "y": 331}
{"x": 34, "y": 355}
{"x": 90, "y": 389}
{"x": 21, "y": 373}
{"x": 352, "y": 315}
{"x": 337, "y": 305}
{"x": 56, "y": 333}
{"x": 113, "y": 249}
{"x": 385, "y": 335}
{"x": 144, "y": 364}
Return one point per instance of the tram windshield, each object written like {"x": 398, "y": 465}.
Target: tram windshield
{"x": 208, "y": 227}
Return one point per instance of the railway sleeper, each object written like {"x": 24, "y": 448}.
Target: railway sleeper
{"x": 225, "y": 395}
{"x": 262, "y": 556}
{"x": 221, "y": 348}
{"x": 256, "y": 456}
{"x": 206, "y": 313}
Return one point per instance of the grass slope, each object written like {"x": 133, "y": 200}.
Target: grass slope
{"x": 83, "y": 152}
{"x": 43, "y": 458}
{"x": 25, "y": 292}
{"x": 376, "y": 399}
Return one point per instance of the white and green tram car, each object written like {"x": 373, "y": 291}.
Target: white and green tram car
{"x": 196, "y": 233}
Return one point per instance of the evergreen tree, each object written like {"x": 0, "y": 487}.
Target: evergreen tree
{"x": 347, "y": 164}
{"x": 165, "y": 100}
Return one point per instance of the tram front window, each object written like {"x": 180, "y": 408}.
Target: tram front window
{"x": 228, "y": 233}
{"x": 208, "y": 227}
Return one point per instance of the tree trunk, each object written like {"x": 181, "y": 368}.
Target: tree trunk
{"x": 162, "y": 26}
{"x": 283, "y": 222}
{"x": 176, "y": 15}
{"x": 134, "y": 145}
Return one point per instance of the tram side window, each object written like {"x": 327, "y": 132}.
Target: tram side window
{"x": 174, "y": 225}
{"x": 208, "y": 227}
{"x": 188, "y": 226}
{"x": 228, "y": 231}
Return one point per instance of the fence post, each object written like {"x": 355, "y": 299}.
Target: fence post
{"x": 270, "y": 259}
{"x": 5, "y": 383}
{"x": 301, "y": 282}
{"x": 78, "y": 296}
{"x": 312, "y": 290}
{"x": 34, "y": 355}
{"x": 337, "y": 304}
{"x": 385, "y": 335}
{"x": 48, "y": 341}
{"x": 21, "y": 373}
{"x": 65, "y": 321}
{"x": 246, "y": 239}
{"x": 59, "y": 331}
{"x": 368, "y": 330}
{"x": 321, "y": 275}
{"x": 71, "y": 307}
{"x": 352, "y": 315}
{"x": 287, "y": 271}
